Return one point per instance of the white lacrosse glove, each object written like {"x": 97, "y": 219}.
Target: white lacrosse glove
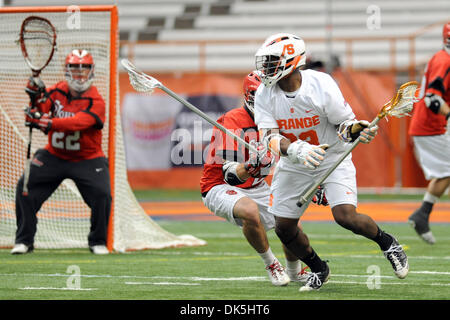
{"x": 309, "y": 155}
{"x": 350, "y": 130}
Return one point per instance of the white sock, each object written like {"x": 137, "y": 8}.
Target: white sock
{"x": 267, "y": 257}
{"x": 293, "y": 267}
{"x": 428, "y": 197}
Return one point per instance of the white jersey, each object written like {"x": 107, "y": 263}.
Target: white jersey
{"x": 312, "y": 115}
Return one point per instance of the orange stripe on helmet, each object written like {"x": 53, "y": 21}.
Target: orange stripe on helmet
{"x": 294, "y": 62}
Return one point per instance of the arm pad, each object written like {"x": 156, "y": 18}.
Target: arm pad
{"x": 229, "y": 173}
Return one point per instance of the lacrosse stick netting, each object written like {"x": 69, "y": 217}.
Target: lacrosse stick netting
{"x": 399, "y": 106}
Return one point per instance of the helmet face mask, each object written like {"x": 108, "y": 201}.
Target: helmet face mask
{"x": 251, "y": 84}
{"x": 279, "y": 56}
{"x": 79, "y": 70}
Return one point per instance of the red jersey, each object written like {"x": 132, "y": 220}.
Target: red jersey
{"x": 223, "y": 147}
{"x": 75, "y": 133}
{"x": 436, "y": 80}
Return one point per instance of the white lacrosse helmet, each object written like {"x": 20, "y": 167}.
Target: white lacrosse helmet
{"x": 280, "y": 55}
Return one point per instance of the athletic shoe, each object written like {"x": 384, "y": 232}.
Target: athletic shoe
{"x": 301, "y": 277}
{"x": 419, "y": 221}
{"x": 316, "y": 280}
{"x": 277, "y": 274}
{"x": 398, "y": 259}
{"x": 99, "y": 249}
{"x": 20, "y": 248}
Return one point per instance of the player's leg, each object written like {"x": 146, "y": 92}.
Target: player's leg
{"x": 247, "y": 211}
{"x": 347, "y": 217}
{"x": 45, "y": 177}
{"x": 341, "y": 191}
{"x": 297, "y": 242}
{"x": 294, "y": 268}
{"x": 432, "y": 154}
{"x": 420, "y": 218}
{"x": 285, "y": 190}
{"x": 235, "y": 205}
{"x": 93, "y": 181}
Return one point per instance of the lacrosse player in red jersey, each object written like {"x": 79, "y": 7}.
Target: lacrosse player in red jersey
{"x": 304, "y": 118}
{"x": 71, "y": 113}
{"x": 430, "y": 131}
{"x": 235, "y": 188}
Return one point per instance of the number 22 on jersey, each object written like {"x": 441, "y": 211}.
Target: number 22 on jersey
{"x": 61, "y": 140}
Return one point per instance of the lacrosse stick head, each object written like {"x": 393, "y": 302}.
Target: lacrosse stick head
{"x": 37, "y": 39}
{"x": 402, "y": 104}
{"x": 140, "y": 81}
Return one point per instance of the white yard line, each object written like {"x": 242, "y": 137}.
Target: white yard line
{"x": 196, "y": 281}
{"x": 310, "y": 235}
{"x": 251, "y": 278}
{"x": 165, "y": 283}
{"x": 65, "y": 289}
{"x": 393, "y": 283}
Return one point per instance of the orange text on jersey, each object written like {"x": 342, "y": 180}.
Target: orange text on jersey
{"x": 297, "y": 123}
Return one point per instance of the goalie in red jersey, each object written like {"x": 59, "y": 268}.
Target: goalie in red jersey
{"x": 72, "y": 113}
{"x": 430, "y": 132}
{"x": 233, "y": 185}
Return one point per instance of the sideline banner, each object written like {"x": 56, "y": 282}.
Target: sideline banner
{"x": 148, "y": 122}
{"x": 160, "y": 133}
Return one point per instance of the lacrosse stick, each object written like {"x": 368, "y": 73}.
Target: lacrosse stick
{"x": 142, "y": 82}
{"x": 398, "y": 106}
{"x": 37, "y": 41}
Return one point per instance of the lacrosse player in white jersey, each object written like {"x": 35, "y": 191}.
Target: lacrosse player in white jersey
{"x": 303, "y": 116}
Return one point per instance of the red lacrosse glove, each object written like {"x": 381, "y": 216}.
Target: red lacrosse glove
{"x": 320, "y": 198}
{"x": 258, "y": 165}
{"x": 35, "y": 89}
{"x": 35, "y": 119}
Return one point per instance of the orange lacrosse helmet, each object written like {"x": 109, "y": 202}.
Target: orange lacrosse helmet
{"x": 446, "y": 37}
{"x": 251, "y": 84}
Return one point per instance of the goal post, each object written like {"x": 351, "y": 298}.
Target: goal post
{"x": 64, "y": 219}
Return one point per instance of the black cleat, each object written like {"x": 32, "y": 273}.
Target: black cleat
{"x": 398, "y": 259}
{"x": 419, "y": 221}
{"x": 316, "y": 280}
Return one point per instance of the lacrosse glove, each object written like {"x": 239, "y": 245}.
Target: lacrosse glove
{"x": 35, "y": 119}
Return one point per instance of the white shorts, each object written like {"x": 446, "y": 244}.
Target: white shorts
{"x": 433, "y": 155}
{"x": 287, "y": 186}
{"x": 222, "y": 198}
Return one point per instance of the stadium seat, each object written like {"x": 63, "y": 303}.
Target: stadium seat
{"x": 196, "y": 24}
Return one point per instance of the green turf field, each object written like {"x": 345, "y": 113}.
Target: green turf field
{"x": 227, "y": 268}
{"x": 194, "y": 195}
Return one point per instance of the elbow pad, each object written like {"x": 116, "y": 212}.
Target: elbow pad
{"x": 433, "y": 102}
{"x": 229, "y": 173}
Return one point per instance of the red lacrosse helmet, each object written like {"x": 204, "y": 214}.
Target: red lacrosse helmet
{"x": 446, "y": 37}
{"x": 79, "y": 70}
{"x": 251, "y": 84}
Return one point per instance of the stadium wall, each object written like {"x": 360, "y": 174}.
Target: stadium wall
{"x": 387, "y": 162}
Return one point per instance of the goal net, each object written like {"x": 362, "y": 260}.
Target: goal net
{"x": 64, "y": 219}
